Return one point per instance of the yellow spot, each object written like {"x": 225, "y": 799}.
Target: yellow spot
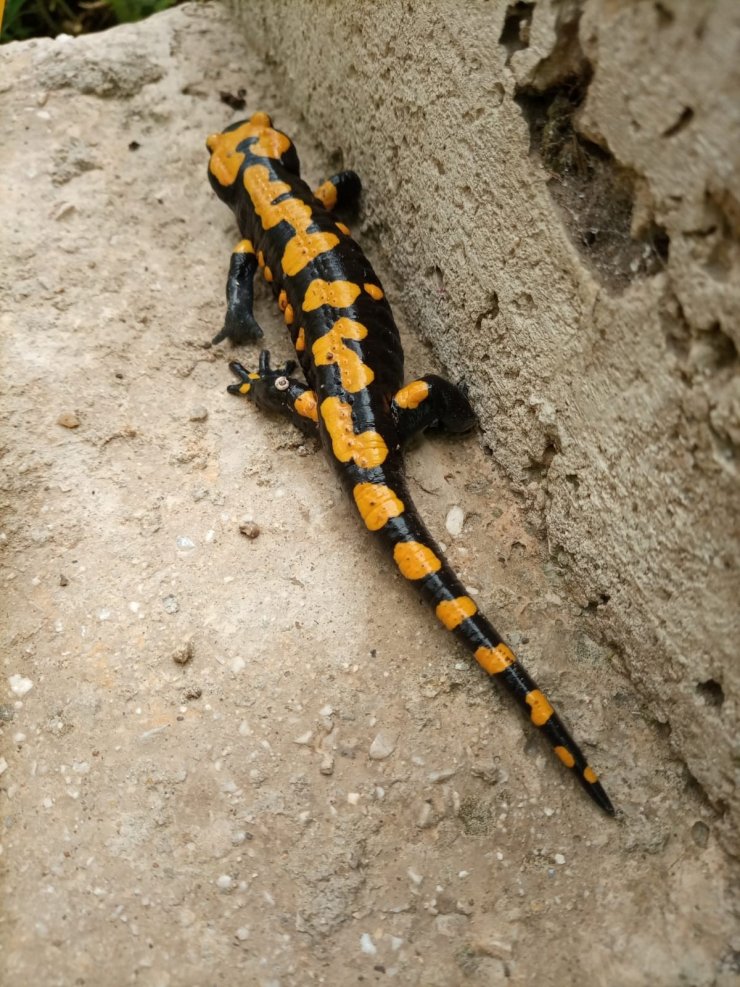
{"x": 453, "y": 612}
{"x": 306, "y": 406}
{"x": 263, "y": 191}
{"x": 289, "y": 314}
{"x": 376, "y": 504}
{"x": 495, "y": 660}
{"x": 260, "y": 258}
{"x": 245, "y": 387}
{"x": 415, "y": 560}
{"x": 305, "y": 247}
{"x": 300, "y": 340}
{"x": 541, "y": 709}
{"x": 374, "y": 291}
{"x": 254, "y": 376}
{"x": 330, "y": 349}
{"x": 244, "y": 247}
{"x": 282, "y": 300}
{"x": 326, "y": 193}
{"x": 267, "y": 273}
{"x": 338, "y": 294}
{"x": 565, "y": 756}
{"x": 412, "y": 394}
{"x": 368, "y": 449}
{"x": 226, "y": 160}
{"x": 590, "y": 775}
{"x": 344, "y": 228}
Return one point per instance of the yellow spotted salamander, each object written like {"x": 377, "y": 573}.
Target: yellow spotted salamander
{"x": 350, "y": 353}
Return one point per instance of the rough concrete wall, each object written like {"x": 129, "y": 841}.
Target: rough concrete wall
{"x": 557, "y": 188}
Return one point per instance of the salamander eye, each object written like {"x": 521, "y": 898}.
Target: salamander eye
{"x": 282, "y": 383}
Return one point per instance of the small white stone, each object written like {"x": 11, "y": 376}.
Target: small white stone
{"x": 382, "y": 746}
{"x": 3, "y": 765}
{"x": 185, "y": 544}
{"x": 367, "y": 945}
{"x": 327, "y": 764}
{"x": 353, "y": 798}
{"x": 304, "y": 738}
{"x": 463, "y": 873}
{"x": 455, "y": 520}
{"x": 19, "y": 738}
{"x": 225, "y": 882}
{"x": 238, "y": 664}
{"x": 242, "y": 933}
{"x": 19, "y": 685}
{"x": 559, "y": 858}
{"x": 414, "y": 877}
{"x": 81, "y": 767}
{"x": 244, "y": 729}
{"x": 549, "y": 812}
{"x": 326, "y": 710}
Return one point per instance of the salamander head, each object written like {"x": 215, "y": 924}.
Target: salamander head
{"x": 254, "y": 138}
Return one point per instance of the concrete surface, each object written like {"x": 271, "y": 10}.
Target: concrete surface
{"x": 258, "y": 761}
{"x": 557, "y": 187}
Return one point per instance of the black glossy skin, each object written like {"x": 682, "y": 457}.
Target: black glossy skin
{"x": 375, "y": 408}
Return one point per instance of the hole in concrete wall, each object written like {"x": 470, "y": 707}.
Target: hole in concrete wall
{"x": 596, "y": 195}
{"x": 539, "y": 468}
{"x": 711, "y": 692}
{"x": 593, "y": 605}
{"x": 515, "y": 32}
{"x": 435, "y": 273}
{"x": 664, "y": 15}
{"x": 490, "y": 313}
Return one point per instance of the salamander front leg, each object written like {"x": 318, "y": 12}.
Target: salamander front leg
{"x": 240, "y": 325}
{"x": 431, "y": 402}
{"x": 275, "y": 390}
{"x": 341, "y": 191}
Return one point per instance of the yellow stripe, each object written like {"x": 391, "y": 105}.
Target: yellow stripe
{"x": 590, "y": 775}
{"x": 565, "y": 756}
{"x": 338, "y": 294}
{"x": 453, "y": 612}
{"x": 541, "y": 708}
{"x": 415, "y": 560}
{"x": 495, "y": 660}
{"x": 377, "y": 504}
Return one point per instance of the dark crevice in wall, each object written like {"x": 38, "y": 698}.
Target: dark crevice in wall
{"x": 515, "y": 32}
{"x": 594, "y": 192}
{"x": 711, "y": 692}
{"x": 490, "y": 313}
{"x": 539, "y": 468}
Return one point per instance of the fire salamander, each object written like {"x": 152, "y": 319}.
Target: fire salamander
{"x": 354, "y": 400}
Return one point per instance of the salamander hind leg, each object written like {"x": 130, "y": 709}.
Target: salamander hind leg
{"x": 240, "y": 325}
{"x": 431, "y": 402}
{"x": 275, "y": 390}
{"x": 341, "y": 191}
